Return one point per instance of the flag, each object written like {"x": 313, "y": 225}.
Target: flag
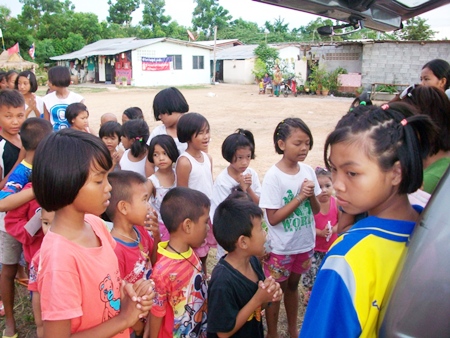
{"x": 14, "y": 49}
{"x": 31, "y": 51}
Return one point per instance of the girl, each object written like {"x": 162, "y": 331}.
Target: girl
{"x": 168, "y": 106}
{"x": 132, "y": 113}
{"x": 11, "y": 77}
{"x": 134, "y": 137}
{"x": 194, "y": 166}
{"x": 325, "y": 235}
{"x": 77, "y": 115}
{"x": 163, "y": 153}
{"x": 288, "y": 194}
{"x": 238, "y": 149}
{"x": 27, "y": 85}
{"x": 78, "y": 280}
{"x": 436, "y": 73}
{"x": 375, "y": 157}
{"x": 56, "y": 102}
{"x": 110, "y": 135}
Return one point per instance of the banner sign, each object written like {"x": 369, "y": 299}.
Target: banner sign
{"x": 156, "y": 64}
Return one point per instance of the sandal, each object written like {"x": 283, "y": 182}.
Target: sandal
{"x": 22, "y": 281}
{"x": 2, "y": 309}
{"x": 16, "y": 335}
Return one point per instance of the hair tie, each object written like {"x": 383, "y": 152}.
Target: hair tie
{"x": 139, "y": 138}
{"x": 28, "y": 76}
{"x": 363, "y": 103}
{"x": 385, "y": 106}
{"x": 404, "y": 122}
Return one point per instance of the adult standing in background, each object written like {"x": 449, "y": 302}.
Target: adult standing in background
{"x": 277, "y": 78}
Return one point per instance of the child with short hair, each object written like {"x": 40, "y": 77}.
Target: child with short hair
{"x": 79, "y": 279}
{"x": 163, "y": 153}
{"x": 180, "y": 284}
{"x": 194, "y": 166}
{"x": 128, "y": 210}
{"x": 132, "y": 113}
{"x": 56, "y": 102}
{"x": 375, "y": 158}
{"x": 77, "y": 115}
{"x": 110, "y": 134}
{"x": 238, "y": 290}
{"x": 26, "y": 83}
{"x": 134, "y": 139}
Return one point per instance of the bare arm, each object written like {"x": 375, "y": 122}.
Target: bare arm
{"x": 14, "y": 201}
{"x": 19, "y": 159}
{"x": 46, "y": 113}
{"x": 183, "y": 169}
{"x": 155, "y": 325}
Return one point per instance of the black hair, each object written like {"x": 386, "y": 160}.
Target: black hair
{"x": 168, "y": 101}
{"x": 240, "y": 139}
{"x": 31, "y": 77}
{"x": 232, "y": 219}
{"x": 11, "y": 98}
{"x": 284, "y": 129}
{"x": 440, "y": 69}
{"x": 433, "y": 102}
{"x": 167, "y": 143}
{"x": 10, "y": 73}
{"x": 322, "y": 172}
{"x": 392, "y": 138}
{"x": 73, "y": 110}
{"x": 138, "y": 131}
{"x": 189, "y": 125}
{"x": 110, "y": 128}
{"x": 122, "y": 183}
{"x": 33, "y": 131}
{"x": 181, "y": 203}
{"x": 134, "y": 113}
{"x": 362, "y": 100}
{"x": 61, "y": 166}
{"x": 2, "y": 75}
{"x": 59, "y": 76}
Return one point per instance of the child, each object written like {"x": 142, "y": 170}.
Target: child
{"x": 325, "y": 235}
{"x": 79, "y": 281}
{"x": 26, "y": 84}
{"x": 110, "y": 133}
{"x": 261, "y": 87}
{"x": 107, "y": 117}
{"x": 163, "y": 153}
{"x": 194, "y": 166}
{"x": 238, "y": 289}
{"x": 288, "y": 194}
{"x": 77, "y": 115}
{"x": 11, "y": 77}
{"x": 134, "y": 137}
{"x": 238, "y": 149}
{"x": 180, "y": 284}
{"x": 128, "y": 209}
{"x": 56, "y": 102}
{"x": 132, "y": 113}
{"x": 168, "y": 106}
{"x": 375, "y": 157}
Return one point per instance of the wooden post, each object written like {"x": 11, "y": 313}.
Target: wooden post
{"x": 214, "y": 59}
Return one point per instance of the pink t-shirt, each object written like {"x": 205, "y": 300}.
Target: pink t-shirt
{"x": 78, "y": 283}
{"x": 134, "y": 258}
{"x": 181, "y": 293}
{"x": 321, "y": 221}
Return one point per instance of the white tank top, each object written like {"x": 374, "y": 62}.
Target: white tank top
{"x": 200, "y": 177}
{"x": 126, "y": 164}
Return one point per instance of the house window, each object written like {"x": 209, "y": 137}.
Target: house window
{"x": 176, "y": 61}
{"x": 197, "y": 62}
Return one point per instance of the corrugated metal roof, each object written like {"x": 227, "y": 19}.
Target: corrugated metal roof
{"x": 218, "y": 42}
{"x": 237, "y": 53}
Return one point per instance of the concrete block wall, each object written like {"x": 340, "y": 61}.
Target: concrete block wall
{"x": 345, "y": 56}
{"x": 399, "y": 62}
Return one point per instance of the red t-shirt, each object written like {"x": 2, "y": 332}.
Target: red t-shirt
{"x": 321, "y": 222}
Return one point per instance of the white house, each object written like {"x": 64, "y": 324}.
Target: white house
{"x": 150, "y": 62}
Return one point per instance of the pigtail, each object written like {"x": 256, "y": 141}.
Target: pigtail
{"x": 138, "y": 131}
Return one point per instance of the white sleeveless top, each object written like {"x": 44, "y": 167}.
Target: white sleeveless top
{"x": 200, "y": 177}
{"x": 126, "y": 164}
{"x": 160, "y": 192}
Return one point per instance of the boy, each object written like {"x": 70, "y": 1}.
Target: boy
{"x": 238, "y": 289}
{"x": 179, "y": 308}
{"x": 32, "y": 131}
{"x": 128, "y": 209}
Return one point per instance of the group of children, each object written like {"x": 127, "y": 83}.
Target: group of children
{"x": 167, "y": 212}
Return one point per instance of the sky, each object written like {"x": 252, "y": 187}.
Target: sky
{"x": 181, "y": 11}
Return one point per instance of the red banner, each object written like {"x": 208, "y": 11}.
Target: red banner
{"x": 156, "y": 64}
{"x": 14, "y": 49}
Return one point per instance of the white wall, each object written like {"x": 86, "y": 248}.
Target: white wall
{"x": 173, "y": 77}
{"x": 238, "y": 71}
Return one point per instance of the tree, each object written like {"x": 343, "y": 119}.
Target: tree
{"x": 121, "y": 11}
{"x": 153, "y": 16}
{"x": 265, "y": 56}
{"x": 33, "y": 10}
{"x": 207, "y": 14}
{"x": 416, "y": 29}
{"x": 309, "y": 32}
{"x": 245, "y": 31}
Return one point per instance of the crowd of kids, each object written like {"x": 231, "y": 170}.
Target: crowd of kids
{"x": 116, "y": 229}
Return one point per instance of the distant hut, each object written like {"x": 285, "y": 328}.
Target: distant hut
{"x": 15, "y": 61}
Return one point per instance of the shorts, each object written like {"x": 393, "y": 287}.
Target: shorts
{"x": 10, "y": 249}
{"x": 280, "y": 267}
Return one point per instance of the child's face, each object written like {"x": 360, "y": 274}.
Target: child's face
{"x": 111, "y": 142}
{"x": 169, "y": 121}
{"x": 23, "y": 85}
{"x": 201, "y": 140}
{"x": 46, "y": 220}
{"x": 359, "y": 182}
{"x": 199, "y": 229}
{"x": 428, "y": 78}
{"x": 11, "y": 119}
{"x": 138, "y": 205}
{"x": 255, "y": 243}
{"x": 326, "y": 187}
{"x": 125, "y": 118}
{"x": 296, "y": 146}
{"x": 81, "y": 121}
{"x": 126, "y": 142}
{"x": 160, "y": 158}
{"x": 11, "y": 82}
{"x": 241, "y": 160}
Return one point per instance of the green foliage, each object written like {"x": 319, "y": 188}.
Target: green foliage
{"x": 266, "y": 54}
{"x": 153, "y": 17}
{"x": 332, "y": 81}
{"x": 416, "y": 29}
{"x": 386, "y": 89}
{"x": 120, "y": 11}
{"x": 208, "y": 14}
{"x": 245, "y": 31}
{"x": 260, "y": 69}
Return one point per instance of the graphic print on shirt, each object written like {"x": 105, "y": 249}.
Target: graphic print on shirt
{"x": 142, "y": 268}
{"x": 109, "y": 294}
{"x": 58, "y": 113}
{"x": 302, "y": 215}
